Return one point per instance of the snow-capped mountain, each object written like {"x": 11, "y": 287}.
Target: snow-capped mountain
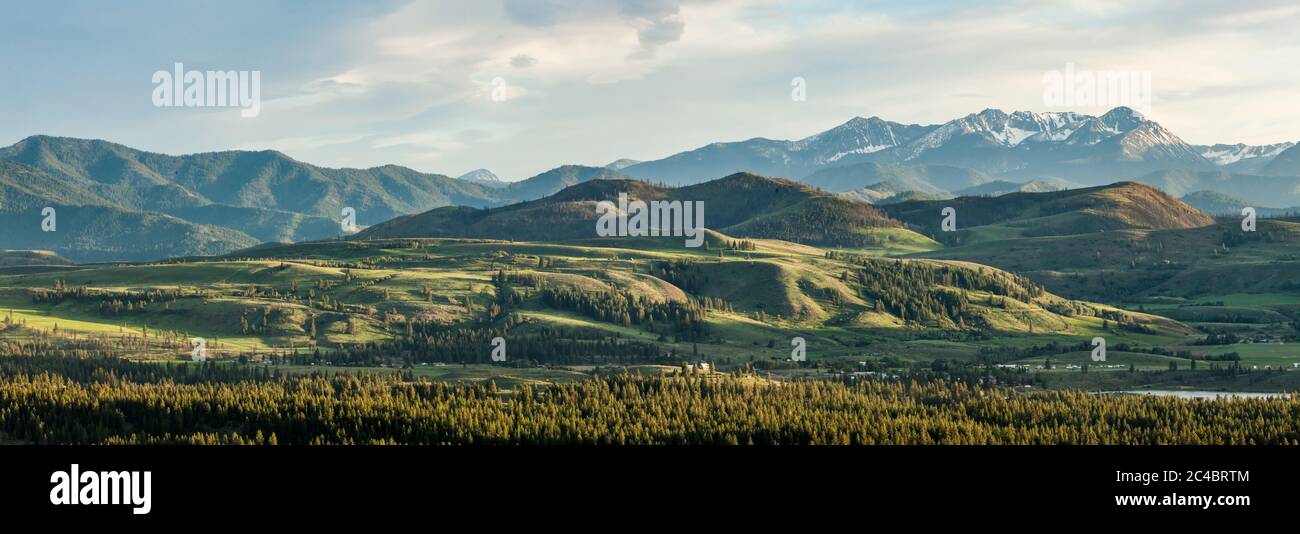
{"x": 1087, "y": 149}
{"x": 620, "y": 164}
{"x": 1286, "y": 163}
{"x": 997, "y": 128}
{"x": 1242, "y": 157}
{"x": 483, "y": 177}
{"x": 856, "y": 137}
{"x": 1222, "y": 154}
{"x": 1120, "y": 144}
{"x": 857, "y": 140}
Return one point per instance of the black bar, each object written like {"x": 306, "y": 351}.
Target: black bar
{"x": 190, "y": 482}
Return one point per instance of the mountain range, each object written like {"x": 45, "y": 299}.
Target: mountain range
{"x": 212, "y": 203}
{"x": 1224, "y": 205}
{"x": 483, "y": 177}
{"x": 1019, "y": 146}
{"x": 1242, "y": 158}
{"x": 161, "y": 206}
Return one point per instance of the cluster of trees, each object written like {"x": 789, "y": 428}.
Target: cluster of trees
{"x": 1219, "y": 338}
{"x": 688, "y": 318}
{"x": 110, "y": 405}
{"x": 901, "y": 272}
{"x": 996, "y": 355}
{"x": 684, "y": 274}
{"x": 1117, "y": 319}
{"x": 923, "y": 292}
{"x": 739, "y": 244}
{"x": 523, "y": 278}
{"x": 824, "y": 221}
{"x": 113, "y": 302}
{"x": 429, "y": 342}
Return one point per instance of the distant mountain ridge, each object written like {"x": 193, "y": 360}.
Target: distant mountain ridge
{"x": 267, "y": 179}
{"x": 1258, "y": 190}
{"x": 1088, "y": 149}
{"x": 213, "y": 203}
{"x": 1285, "y": 163}
{"x": 557, "y": 179}
{"x": 218, "y": 201}
{"x": 931, "y": 179}
{"x": 740, "y": 205}
{"x": 620, "y": 164}
{"x": 1240, "y": 157}
{"x": 89, "y": 228}
{"x": 482, "y": 177}
{"x": 1220, "y": 204}
{"x": 847, "y": 143}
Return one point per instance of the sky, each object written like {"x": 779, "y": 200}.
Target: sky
{"x": 362, "y": 84}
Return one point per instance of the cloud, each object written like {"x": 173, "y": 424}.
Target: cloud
{"x": 657, "y": 23}
{"x": 591, "y": 81}
{"x": 538, "y": 13}
{"x": 523, "y": 61}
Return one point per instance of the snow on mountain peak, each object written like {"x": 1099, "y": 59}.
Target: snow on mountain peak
{"x": 1223, "y": 154}
{"x": 482, "y": 177}
{"x": 1123, "y": 118}
{"x": 857, "y": 136}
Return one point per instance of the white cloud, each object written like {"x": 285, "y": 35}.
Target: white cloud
{"x": 591, "y": 81}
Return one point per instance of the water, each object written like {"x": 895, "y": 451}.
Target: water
{"x": 1190, "y": 394}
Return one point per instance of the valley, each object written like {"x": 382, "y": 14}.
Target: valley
{"x": 994, "y": 305}
{"x": 940, "y": 265}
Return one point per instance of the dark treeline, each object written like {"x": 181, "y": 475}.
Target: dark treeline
{"x": 911, "y": 290}
{"x": 620, "y": 409}
{"x": 114, "y": 302}
{"x": 899, "y": 273}
{"x": 684, "y": 274}
{"x": 684, "y": 320}
{"x": 996, "y": 355}
{"x": 687, "y": 318}
{"x": 110, "y": 370}
{"x": 427, "y": 342}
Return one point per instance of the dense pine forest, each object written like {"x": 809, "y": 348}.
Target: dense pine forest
{"x": 106, "y": 400}
{"x": 742, "y": 341}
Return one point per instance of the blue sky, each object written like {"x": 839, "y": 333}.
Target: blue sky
{"x": 360, "y": 84}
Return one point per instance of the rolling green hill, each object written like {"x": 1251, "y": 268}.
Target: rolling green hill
{"x": 1125, "y": 205}
{"x": 727, "y": 308}
{"x": 741, "y": 205}
{"x": 1131, "y": 264}
{"x": 23, "y": 258}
